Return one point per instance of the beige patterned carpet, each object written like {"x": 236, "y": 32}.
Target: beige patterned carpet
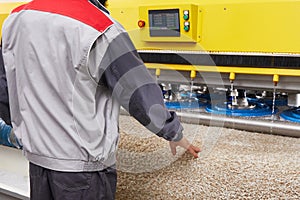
{"x": 232, "y": 165}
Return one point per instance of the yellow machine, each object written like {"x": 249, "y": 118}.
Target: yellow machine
{"x": 240, "y": 36}
{"x": 237, "y": 37}
{"x": 241, "y": 44}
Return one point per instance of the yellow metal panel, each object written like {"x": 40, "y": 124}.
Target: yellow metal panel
{"x": 271, "y": 26}
{"x": 248, "y": 27}
{"x": 268, "y": 26}
{"x": 262, "y": 26}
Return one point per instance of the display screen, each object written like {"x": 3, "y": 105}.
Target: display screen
{"x": 164, "y": 23}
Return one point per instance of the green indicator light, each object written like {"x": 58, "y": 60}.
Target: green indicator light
{"x": 186, "y": 14}
{"x": 186, "y": 28}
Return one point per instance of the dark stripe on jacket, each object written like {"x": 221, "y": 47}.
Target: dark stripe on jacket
{"x": 137, "y": 91}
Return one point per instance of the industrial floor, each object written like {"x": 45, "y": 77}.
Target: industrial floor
{"x": 233, "y": 164}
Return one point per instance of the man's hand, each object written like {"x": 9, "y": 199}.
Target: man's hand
{"x": 186, "y": 145}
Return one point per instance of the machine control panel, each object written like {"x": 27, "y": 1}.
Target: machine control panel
{"x": 170, "y": 23}
{"x": 164, "y": 23}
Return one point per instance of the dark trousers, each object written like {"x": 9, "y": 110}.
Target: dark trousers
{"x": 47, "y": 184}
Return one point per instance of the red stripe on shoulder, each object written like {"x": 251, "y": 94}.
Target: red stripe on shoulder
{"x": 81, "y": 10}
{"x": 17, "y": 9}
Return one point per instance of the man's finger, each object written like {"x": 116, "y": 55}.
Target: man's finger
{"x": 194, "y": 151}
{"x": 173, "y": 149}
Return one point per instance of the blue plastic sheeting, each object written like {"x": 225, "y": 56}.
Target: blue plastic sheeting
{"x": 259, "y": 110}
{"x": 291, "y": 115}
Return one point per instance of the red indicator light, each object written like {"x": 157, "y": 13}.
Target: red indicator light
{"x": 141, "y": 23}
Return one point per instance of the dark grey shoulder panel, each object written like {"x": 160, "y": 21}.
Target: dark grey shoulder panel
{"x": 119, "y": 47}
{"x": 121, "y": 66}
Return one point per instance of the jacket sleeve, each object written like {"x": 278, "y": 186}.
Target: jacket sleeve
{"x": 125, "y": 74}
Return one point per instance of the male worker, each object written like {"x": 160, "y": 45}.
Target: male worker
{"x": 69, "y": 68}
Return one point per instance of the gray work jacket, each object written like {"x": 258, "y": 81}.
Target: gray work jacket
{"x": 69, "y": 68}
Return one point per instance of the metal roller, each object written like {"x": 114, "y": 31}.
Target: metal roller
{"x": 257, "y": 125}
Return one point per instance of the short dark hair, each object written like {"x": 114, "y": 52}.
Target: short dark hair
{"x": 103, "y": 2}
{"x": 98, "y": 2}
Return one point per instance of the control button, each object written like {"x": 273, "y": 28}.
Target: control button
{"x": 186, "y": 15}
{"x": 141, "y": 23}
{"x": 186, "y": 26}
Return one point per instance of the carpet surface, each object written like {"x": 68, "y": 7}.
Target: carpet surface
{"x": 233, "y": 164}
